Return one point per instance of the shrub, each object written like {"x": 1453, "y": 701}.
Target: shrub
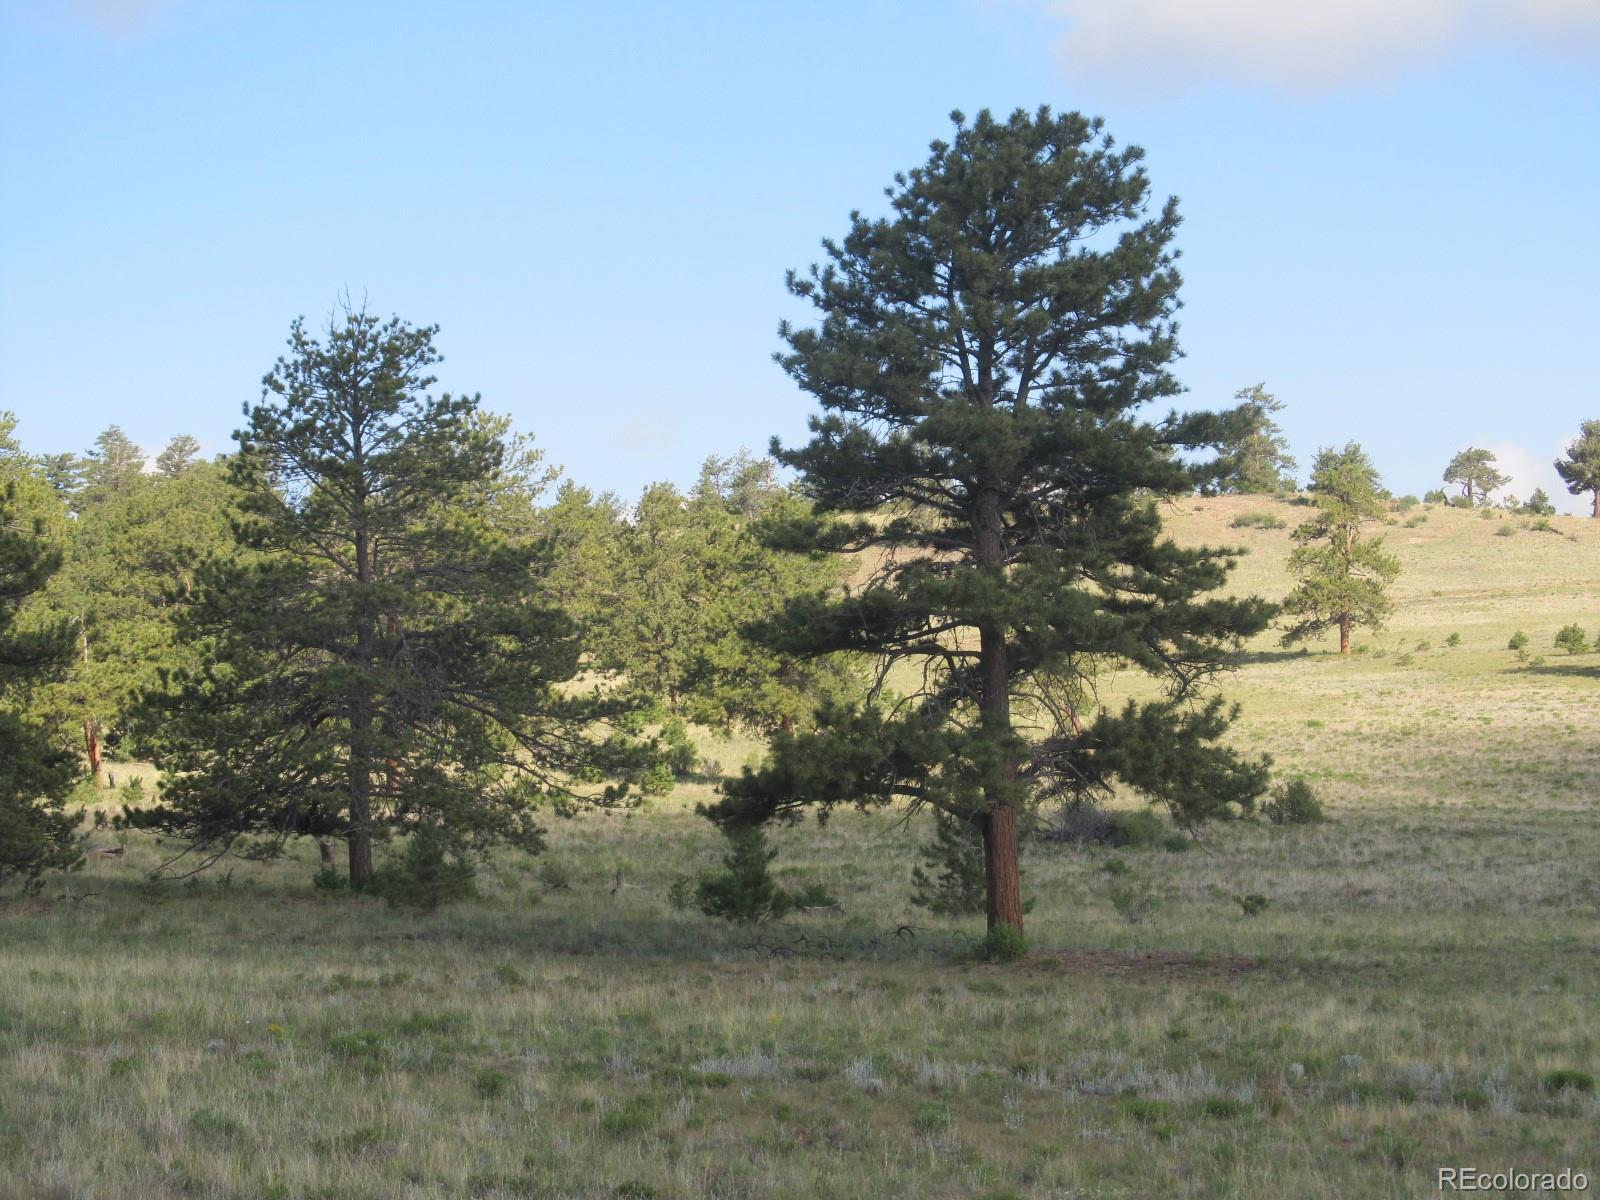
{"x": 1542, "y": 525}
{"x": 1434, "y": 496}
{"x": 1577, "y": 1081}
{"x": 1404, "y": 503}
{"x": 814, "y": 895}
{"x": 1519, "y": 641}
{"x": 1572, "y": 639}
{"x": 1253, "y": 904}
{"x": 1539, "y": 504}
{"x": 1294, "y": 803}
{"x": 682, "y": 757}
{"x": 1136, "y": 830}
{"x": 1504, "y": 531}
{"x": 949, "y": 881}
{"x": 1453, "y": 640}
{"x": 744, "y": 889}
{"x": 636, "y": 1115}
{"x": 491, "y": 1084}
{"x": 1133, "y": 901}
{"x": 1258, "y": 520}
{"x": 1078, "y": 822}
{"x": 1413, "y": 521}
{"x": 681, "y": 892}
{"x": 1005, "y": 943}
{"x": 553, "y": 877}
{"x": 428, "y": 874}
{"x": 329, "y": 879}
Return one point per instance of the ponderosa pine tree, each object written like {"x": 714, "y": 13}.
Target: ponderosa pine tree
{"x": 1258, "y": 460}
{"x": 1580, "y": 469}
{"x": 983, "y": 358}
{"x": 114, "y": 464}
{"x": 35, "y": 833}
{"x": 384, "y": 661}
{"x": 1475, "y": 471}
{"x": 671, "y": 588}
{"x": 1343, "y": 576}
{"x": 178, "y": 456}
{"x": 129, "y": 569}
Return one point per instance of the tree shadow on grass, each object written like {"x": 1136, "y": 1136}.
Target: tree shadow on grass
{"x": 277, "y": 916}
{"x": 1248, "y": 657}
{"x": 1560, "y": 670}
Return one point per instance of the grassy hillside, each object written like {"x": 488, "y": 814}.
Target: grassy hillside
{"x": 1419, "y": 991}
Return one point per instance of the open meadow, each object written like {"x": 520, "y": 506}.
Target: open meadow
{"x": 1418, "y": 987}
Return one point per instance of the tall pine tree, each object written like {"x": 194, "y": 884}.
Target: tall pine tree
{"x": 35, "y": 833}
{"x": 1343, "y": 577}
{"x": 1579, "y": 468}
{"x": 1258, "y": 459}
{"x": 384, "y": 661}
{"x": 983, "y": 360}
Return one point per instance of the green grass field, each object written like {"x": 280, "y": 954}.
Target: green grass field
{"x": 1422, "y": 989}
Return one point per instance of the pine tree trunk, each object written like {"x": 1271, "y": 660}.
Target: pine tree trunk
{"x": 91, "y": 745}
{"x": 361, "y": 721}
{"x": 1597, "y": 503}
{"x": 1002, "y": 873}
{"x": 1344, "y": 633}
{"x": 360, "y": 838}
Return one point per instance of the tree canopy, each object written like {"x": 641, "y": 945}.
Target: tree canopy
{"x": 1256, "y": 458}
{"x": 983, "y": 359}
{"x": 1475, "y": 471}
{"x": 35, "y": 833}
{"x": 1579, "y": 468}
{"x": 384, "y": 658}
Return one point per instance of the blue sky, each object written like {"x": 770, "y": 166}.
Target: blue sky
{"x": 1389, "y": 207}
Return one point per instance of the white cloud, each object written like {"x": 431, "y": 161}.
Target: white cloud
{"x": 1302, "y": 45}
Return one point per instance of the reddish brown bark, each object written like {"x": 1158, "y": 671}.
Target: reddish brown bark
{"x": 1002, "y": 873}
{"x": 1000, "y": 866}
{"x": 91, "y": 744}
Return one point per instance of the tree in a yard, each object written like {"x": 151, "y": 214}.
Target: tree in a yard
{"x": 35, "y": 833}
{"x": 384, "y": 660}
{"x": 1343, "y": 577}
{"x": 983, "y": 361}
{"x": 1580, "y": 468}
{"x": 1475, "y": 472}
{"x": 1257, "y": 459}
